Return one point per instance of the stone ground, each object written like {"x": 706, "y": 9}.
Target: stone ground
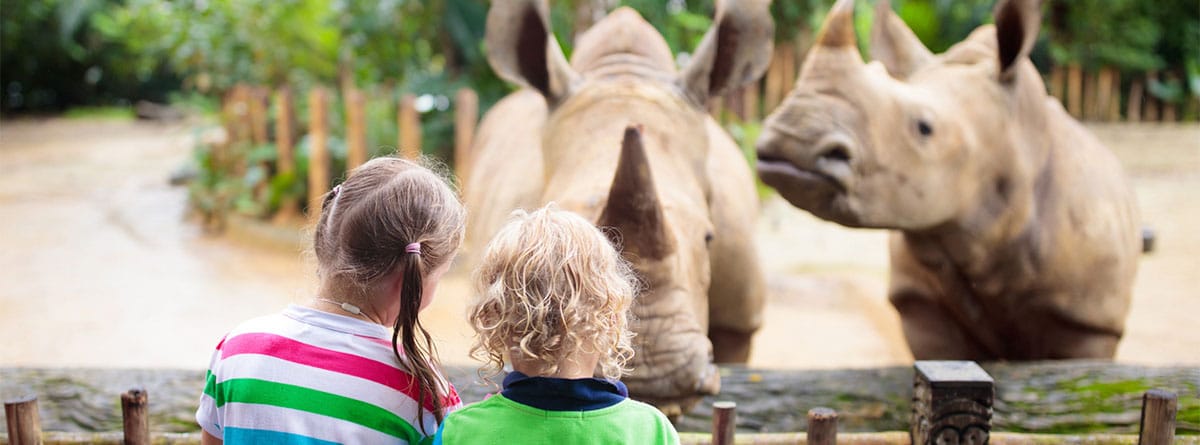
{"x": 102, "y": 266}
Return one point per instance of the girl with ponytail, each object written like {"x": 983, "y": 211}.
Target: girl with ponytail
{"x": 354, "y": 365}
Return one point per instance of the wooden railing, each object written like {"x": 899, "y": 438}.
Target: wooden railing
{"x": 952, "y": 403}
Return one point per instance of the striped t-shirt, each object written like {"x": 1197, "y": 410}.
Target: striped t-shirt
{"x": 310, "y": 377}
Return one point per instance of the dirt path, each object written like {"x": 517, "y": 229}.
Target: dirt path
{"x": 100, "y": 267}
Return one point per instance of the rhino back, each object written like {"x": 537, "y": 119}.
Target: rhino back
{"x": 506, "y": 173}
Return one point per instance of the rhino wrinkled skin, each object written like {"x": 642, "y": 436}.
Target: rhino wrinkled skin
{"x": 621, "y": 137}
{"x": 1016, "y": 230}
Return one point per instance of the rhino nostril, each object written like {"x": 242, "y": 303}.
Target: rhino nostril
{"x": 836, "y": 152}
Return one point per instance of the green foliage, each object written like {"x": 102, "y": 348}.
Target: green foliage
{"x": 116, "y": 113}
{"x": 55, "y": 56}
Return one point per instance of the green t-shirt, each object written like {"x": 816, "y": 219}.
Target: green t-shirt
{"x": 499, "y": 420}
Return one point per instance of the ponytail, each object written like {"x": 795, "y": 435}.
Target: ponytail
{"x": 408, "y": 334}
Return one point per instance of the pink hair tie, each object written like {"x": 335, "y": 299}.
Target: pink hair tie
{"x": 413, "y": 248}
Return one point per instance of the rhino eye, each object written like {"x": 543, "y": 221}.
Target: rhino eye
{"x": 708, "y": 237}
{"x": 924, "y": 128}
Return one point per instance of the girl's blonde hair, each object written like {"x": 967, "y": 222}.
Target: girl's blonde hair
{"x": 361, "y": 237}
{"x": 550, "y": 285}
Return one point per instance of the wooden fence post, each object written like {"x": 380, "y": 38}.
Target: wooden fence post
{"x": 24, "y": 425}
{"x": 409, "y": 123}
{"x": 1133, "y": 110}
{"x": 318, "y": 156}
{"x": 952, "y": 403}
{"x": 774, "y": 81}
{"x": 1158, "y": 418}
{"x": 257, "y": 108}
{"x": 716, "y": 106}
{"x": 1150, "y": 112}
{"x": 1075, "y": 90}
{"x": 724, "y": 422}
{"x": 750, "y": 101}
{"x": 790, "y": 69}
{"x": 285, "y": 162}
{"x": 822, "y": 426}
{"x": 1103, "y": 94}
{"x": 136, "y": 420}
{"x": 1056, "y": 83}
{"x": 356, "y": 129}
{"x": 466, "y": 113}
{"x": 1114, "y": 107}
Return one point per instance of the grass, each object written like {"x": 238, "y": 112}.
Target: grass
{"x": 110, "y": 112}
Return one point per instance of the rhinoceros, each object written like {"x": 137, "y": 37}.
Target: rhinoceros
{"x": 619, "y": 136}
{"x": 1016, "y": 231}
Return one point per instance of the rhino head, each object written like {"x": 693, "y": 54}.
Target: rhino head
{"x": 627, "y": 142}
{"x": 912, "y": 140}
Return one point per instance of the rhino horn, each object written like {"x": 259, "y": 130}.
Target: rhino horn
{"x": 895, "y": 45}
{"x": 633, "y": 210}
{"x": 838, "y": 29}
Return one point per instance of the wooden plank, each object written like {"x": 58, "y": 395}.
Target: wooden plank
{"x": 1103, "y": 94}
{"x": 1091, "y": 99}
{"x": 750, "y": 96}
{"x": 1055, "y": 83}
{"x": 136, "y": 421}
{"x": 356, "y": 129}
{"x": 1158, "y": 418}
{"x": 466, "y": 115}
{"x": 1150, "y": 105}
{"x": 285, "y": 162}
{"x": 1075, "y": 91}
{"x": 409, "y": 122}
{"x": 1133, "y": 110}
{"x": 257, "y": 108}
{"x": 21, "y": 417}
{"x": 318, "y": 156}
{"x": 1114, "y": 107}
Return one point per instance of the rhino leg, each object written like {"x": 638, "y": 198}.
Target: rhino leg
{"x": 737, "y": 292}
{"x": 932, "y": 332}
{"x": 730, "y": 346}
{"x": 1052, "y": 334}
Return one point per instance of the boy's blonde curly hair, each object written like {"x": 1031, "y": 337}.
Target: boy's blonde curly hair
{"x": 551, "y": 284}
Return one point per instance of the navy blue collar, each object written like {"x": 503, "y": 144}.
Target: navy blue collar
{"x": 554, "y": 394}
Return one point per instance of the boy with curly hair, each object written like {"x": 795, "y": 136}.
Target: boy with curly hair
{"x": 554, "y": 297}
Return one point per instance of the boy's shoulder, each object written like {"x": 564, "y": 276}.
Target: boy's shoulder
{"x": 497, "y": 416}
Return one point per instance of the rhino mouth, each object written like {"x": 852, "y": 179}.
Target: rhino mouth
{"x": 785, "y": 176}
{"x": 815, "y": 191}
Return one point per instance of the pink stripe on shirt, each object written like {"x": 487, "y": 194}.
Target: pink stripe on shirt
{"x": 290, "y": 350}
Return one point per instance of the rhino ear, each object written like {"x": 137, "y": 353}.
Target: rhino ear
{"x": 735, "y": 51}
{"x": 522, "y": 49}
{"x": 895, "y": 45}
{"x": 1017, "y": 26}
{"x": 633, "y": 209}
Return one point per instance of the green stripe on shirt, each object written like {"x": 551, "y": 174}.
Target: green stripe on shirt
{"x": 264, "y": 392}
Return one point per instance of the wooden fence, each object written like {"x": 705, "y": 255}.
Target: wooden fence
{"x": 1088, "y": 95}
{"x": 952, "y": 403}
{"x": 244, "y": 117}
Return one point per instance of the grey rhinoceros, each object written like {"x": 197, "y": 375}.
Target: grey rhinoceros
{"x": 1016, "y": 230}
{"x": 620, "y": 136}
